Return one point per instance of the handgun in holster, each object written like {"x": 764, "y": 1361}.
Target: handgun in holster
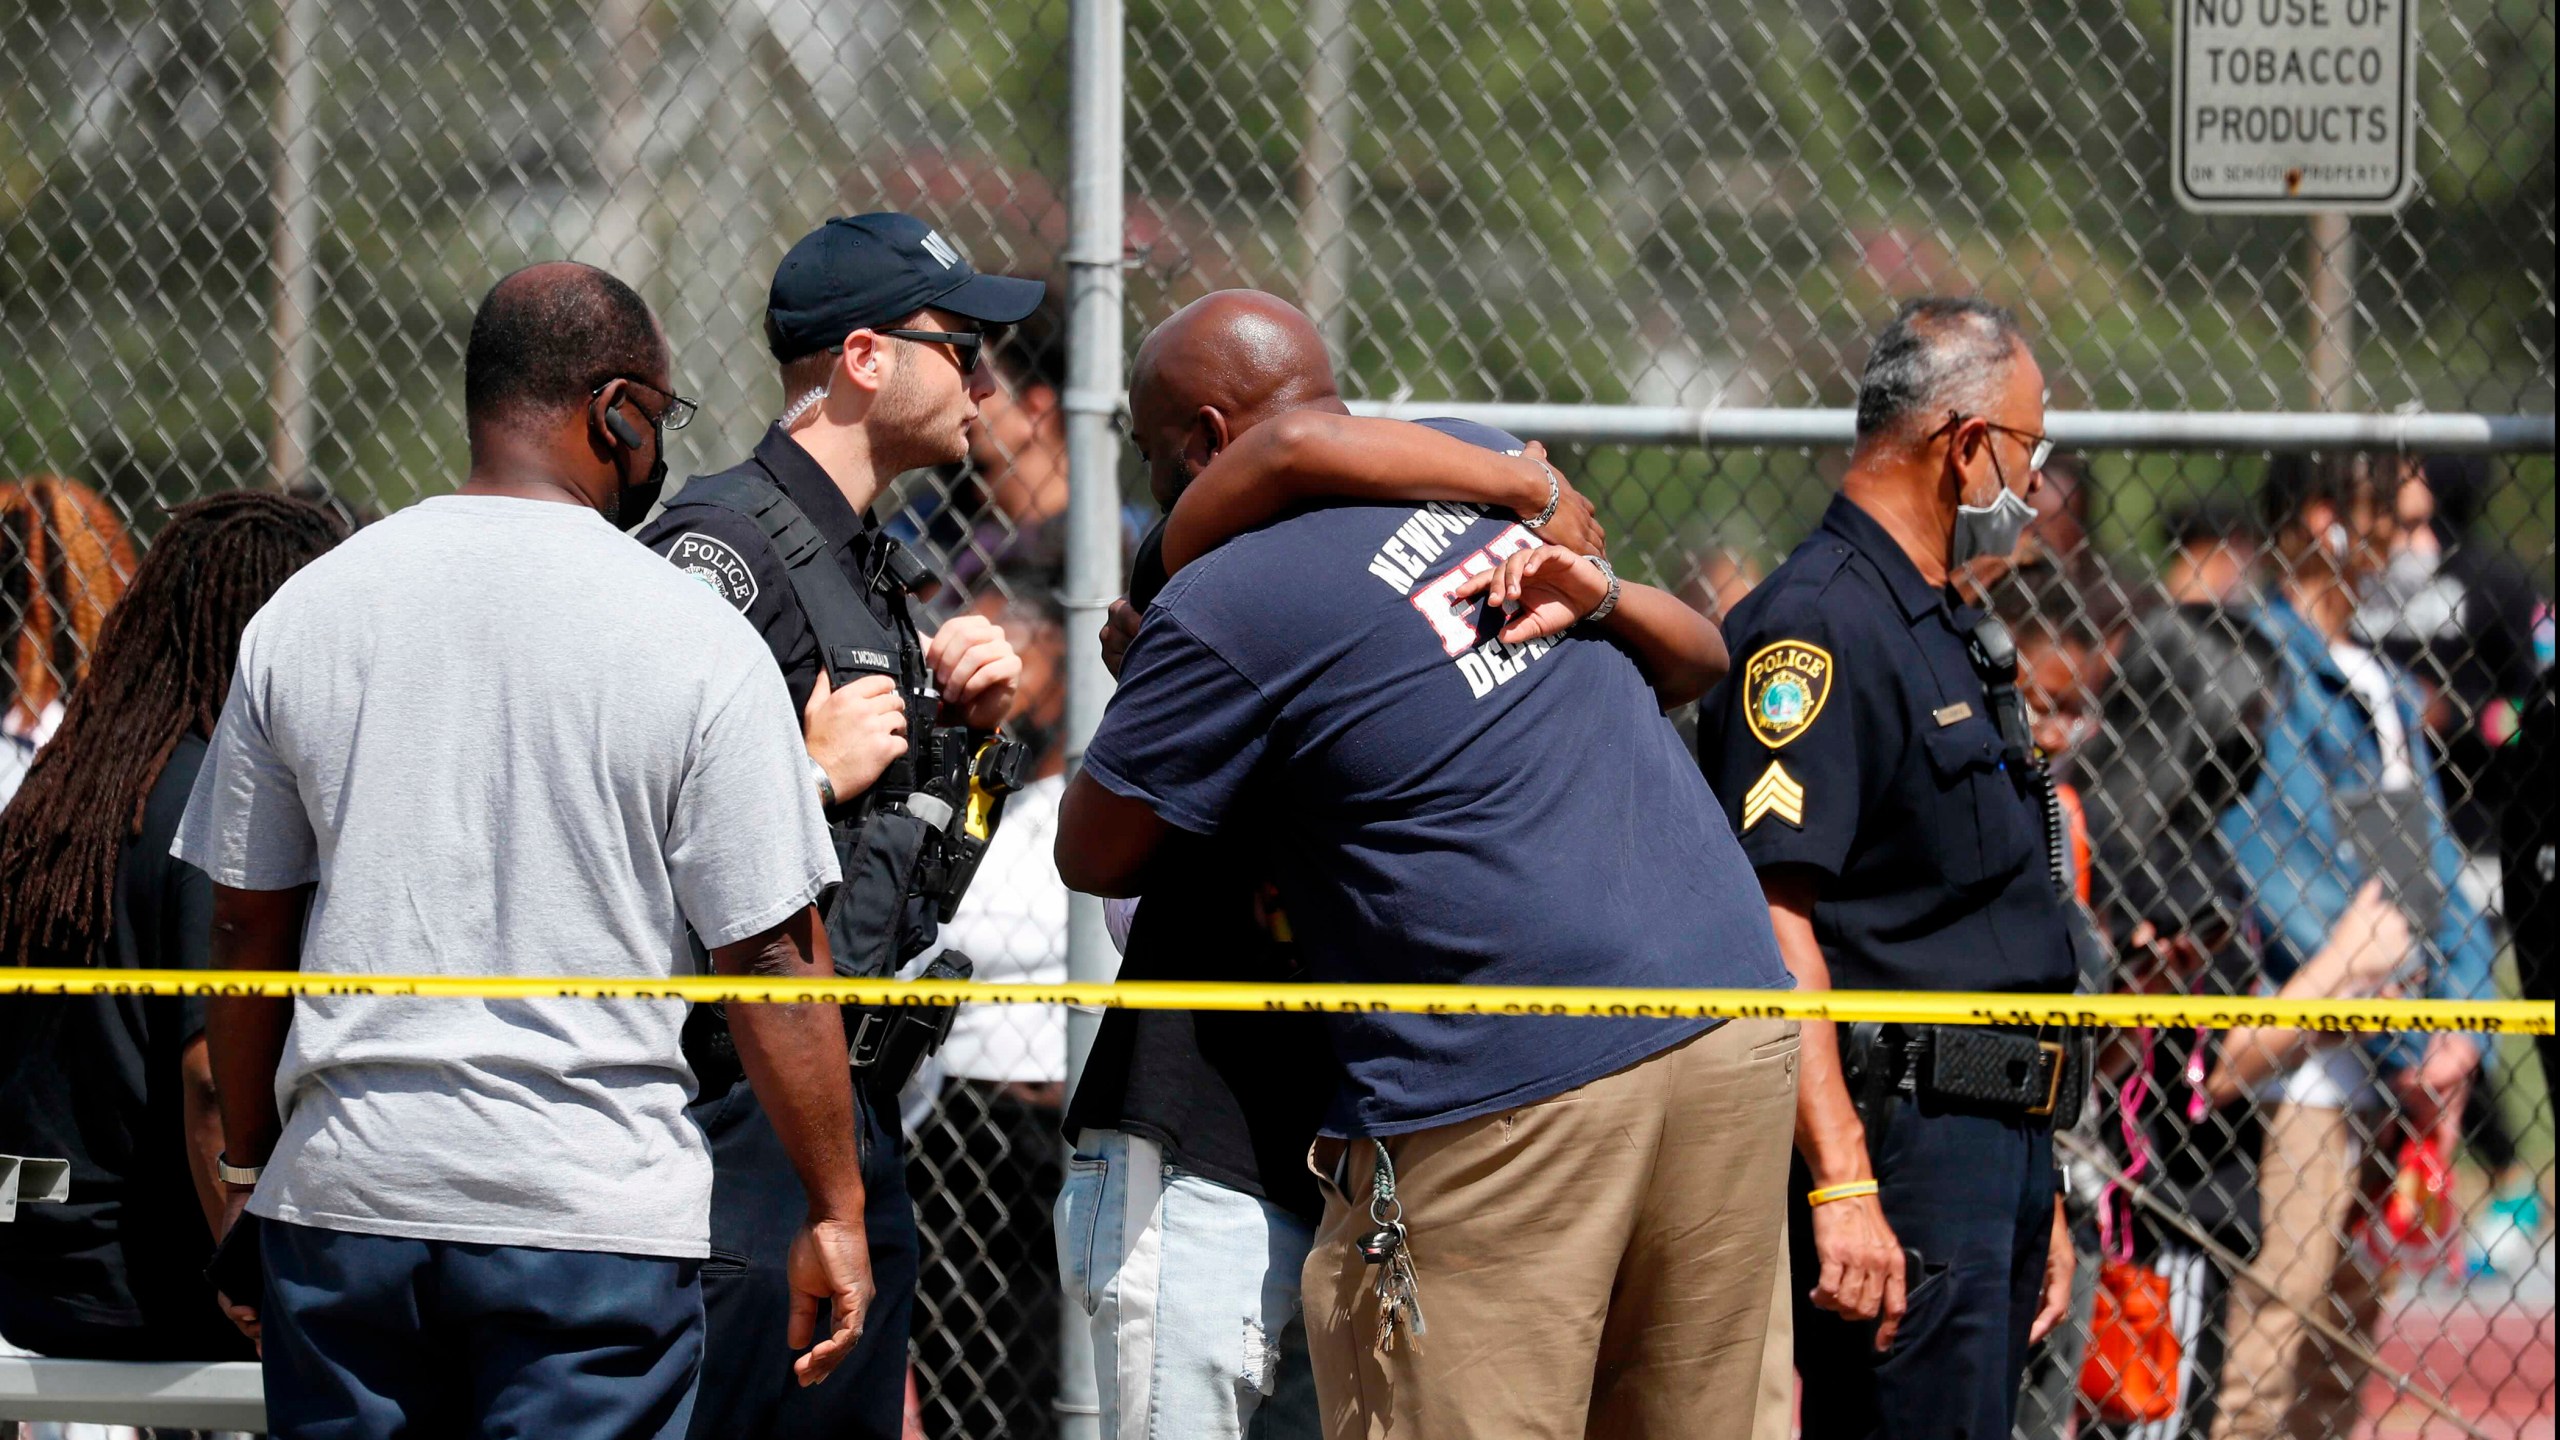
{"x": 960, "y": 793}
{"x": 962, "y": 781}
{"x": 1868, "y": 1067}
{"x": 889, "y": 1042}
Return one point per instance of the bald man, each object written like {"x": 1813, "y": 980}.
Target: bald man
{"x": 1449, "y": 736}
{"x": 1190, "y": 1203}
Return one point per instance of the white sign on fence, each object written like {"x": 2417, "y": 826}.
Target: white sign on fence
{"x": 2293, "y": 105}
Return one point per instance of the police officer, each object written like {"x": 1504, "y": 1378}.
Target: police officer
{"x": 878, "y": 325}
{"x": 1871, "y": 751}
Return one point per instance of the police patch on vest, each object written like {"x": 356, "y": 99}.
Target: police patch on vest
{"x": 715, "y": 564}
{"x": 1783, "y": 687}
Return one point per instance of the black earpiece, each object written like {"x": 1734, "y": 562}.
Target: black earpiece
{"x": 622, "y": 430}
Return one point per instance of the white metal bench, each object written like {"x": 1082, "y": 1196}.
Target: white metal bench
{"x": 186, "y": 1395}
{"x": 23, "y": 1178}
{"x": 183, "y": 1395}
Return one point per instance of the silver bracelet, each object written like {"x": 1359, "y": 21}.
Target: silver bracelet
{"x": 1609, "y": 601}
{"x": 1555, "y": 497}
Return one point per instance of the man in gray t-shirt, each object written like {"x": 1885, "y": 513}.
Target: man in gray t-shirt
{"x": 492, "y": 735}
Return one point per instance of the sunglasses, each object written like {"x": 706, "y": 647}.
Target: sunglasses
{"x": 967, "y": 346}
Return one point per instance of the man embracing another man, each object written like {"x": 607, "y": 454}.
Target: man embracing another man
{"x": 1533, "y": 1227}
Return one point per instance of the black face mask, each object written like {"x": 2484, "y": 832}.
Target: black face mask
{"x": 635, "y": 502}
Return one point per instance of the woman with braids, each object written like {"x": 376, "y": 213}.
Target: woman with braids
{"x": 120, "y": 1086}
{"x": 64, "y": 559}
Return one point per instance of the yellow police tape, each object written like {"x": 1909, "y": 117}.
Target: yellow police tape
{"x": 2510, "y": 1017}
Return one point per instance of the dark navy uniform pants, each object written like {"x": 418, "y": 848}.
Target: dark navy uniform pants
{"x": 378, "y": 1337}
{"x": 1974, "y": 1195}
{"x": 748, "y": 1391}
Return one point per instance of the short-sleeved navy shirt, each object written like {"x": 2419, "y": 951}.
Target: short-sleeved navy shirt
{"x": 1854, "y": 736}
{"x": 1451, "y": 809}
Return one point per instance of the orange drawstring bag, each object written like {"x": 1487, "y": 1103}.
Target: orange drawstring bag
{"x": 2132, "y": 1370}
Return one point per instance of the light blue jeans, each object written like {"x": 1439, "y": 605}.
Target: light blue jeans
{"x": 1192, "y": 1290}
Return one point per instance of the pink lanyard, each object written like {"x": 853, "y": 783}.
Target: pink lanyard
{"x": 2116, "y": 1241}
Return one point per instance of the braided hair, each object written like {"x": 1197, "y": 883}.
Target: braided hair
{"x": 162, "y": 666}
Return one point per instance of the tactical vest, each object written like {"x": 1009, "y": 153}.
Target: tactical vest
{"x": 876, "y": 921}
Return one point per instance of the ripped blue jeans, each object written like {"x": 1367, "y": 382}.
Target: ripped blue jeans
{"x": 1192, "y": 1291}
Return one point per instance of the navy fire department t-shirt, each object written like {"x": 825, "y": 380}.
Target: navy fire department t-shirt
{"x": 1452, "y": 809}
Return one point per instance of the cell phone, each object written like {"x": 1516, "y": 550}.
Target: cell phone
{"x": 238, "y": 1270}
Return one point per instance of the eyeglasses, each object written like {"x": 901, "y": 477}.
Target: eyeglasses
{"x": 2040, "y": 449}
{"x": 678, "y": 412}
{"x": 967, "y": 346}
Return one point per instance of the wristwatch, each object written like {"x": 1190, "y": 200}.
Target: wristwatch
{"x": 241, "y": 1175}
{"x": 826, "y": 787}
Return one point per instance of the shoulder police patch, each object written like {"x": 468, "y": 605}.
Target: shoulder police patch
{"x": 1783, "y": 688}
{"x": 715, "y": 563}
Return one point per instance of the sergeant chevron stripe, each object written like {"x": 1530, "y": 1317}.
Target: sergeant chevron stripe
{"x": 1777, "y": 793}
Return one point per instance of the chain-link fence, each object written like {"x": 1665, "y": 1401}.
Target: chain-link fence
{"x": 239, "y": 244}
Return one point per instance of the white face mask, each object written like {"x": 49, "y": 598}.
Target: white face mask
{"x": 2407, "y": 602}
{"x": 1991, "y": 529}
{"x": 2412, "y": 570}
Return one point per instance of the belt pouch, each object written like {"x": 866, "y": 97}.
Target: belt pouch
{"x": 1993, "y": 1067}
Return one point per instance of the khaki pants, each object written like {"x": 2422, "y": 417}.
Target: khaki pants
{"x": 2281, "y": 1378}
{"x": 1596, "y": 1264}
{"x": 1775, "y": 1416}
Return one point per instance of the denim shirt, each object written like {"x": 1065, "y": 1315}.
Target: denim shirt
{"x": 2284, "y": 834}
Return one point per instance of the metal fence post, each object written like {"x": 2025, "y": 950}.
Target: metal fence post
{"x": 297, "y": 231}
{"x": 1096, "y": 221}
{"x": 2329, "y": 290}
{"x": 1324, "y": 171}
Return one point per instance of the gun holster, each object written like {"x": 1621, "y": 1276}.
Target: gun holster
{"x": 884, "y": 1043}
{"x": 889, "y": 1042}
{"x": 1868, "y": 1065}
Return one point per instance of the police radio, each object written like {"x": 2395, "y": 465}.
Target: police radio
{"x": 1995, "y": 662}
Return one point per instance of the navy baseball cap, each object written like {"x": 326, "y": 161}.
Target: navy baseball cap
{"x": 860, "y": 272}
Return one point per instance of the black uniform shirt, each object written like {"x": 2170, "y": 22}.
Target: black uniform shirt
{"x": 729, "y": 552}
{"x": 1855, "y": 737}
